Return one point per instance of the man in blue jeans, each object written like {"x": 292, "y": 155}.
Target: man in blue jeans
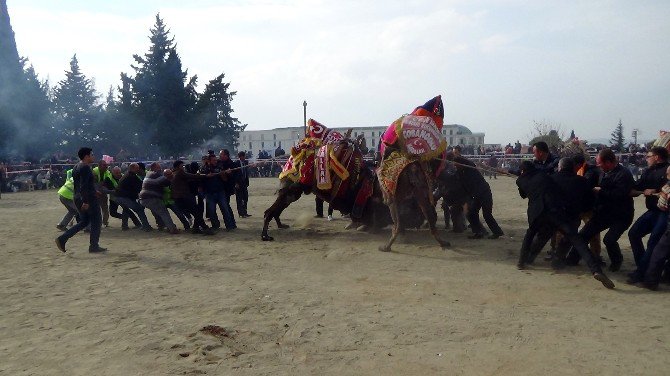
{"x": 654, "y": 220}
{"x": 215, "y": 194}
{"x": 86, "y": 199}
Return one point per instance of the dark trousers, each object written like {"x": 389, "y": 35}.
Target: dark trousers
{"x": 181, "y": 215}
{"x": 190, "y": 206}
{"x": 652, "y": 223}
{"x": 483, "y": 202}
{"x": 454, "y": 213}
{"x": 319, "y": 207}
{"x": 91, "y": 216}
{"x": 114, "y": 212}
{"x": 657, "y": 260}
{"x": 129, "y": 206}
{"x": 615, "y": 225}
{"x": 222, "y": 200}
{"x": 242, "y": 198}
{"x": 544, "y": 227}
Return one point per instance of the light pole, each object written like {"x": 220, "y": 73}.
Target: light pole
{"x": 304, "y": 115}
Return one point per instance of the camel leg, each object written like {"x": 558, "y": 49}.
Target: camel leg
{"x": 267, "y": 217}
{"x": 284, "y": 199}
{"x": 393, "y": 207}
{"x": 431, "y": 216}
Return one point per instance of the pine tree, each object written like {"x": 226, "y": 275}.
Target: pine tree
{"x": 25, "y": 120}
{"x": 162, "y": 101}
{"x": 617, "y": 139}
{"x": 76, "y": 107}
{"x": 215, "y": 114}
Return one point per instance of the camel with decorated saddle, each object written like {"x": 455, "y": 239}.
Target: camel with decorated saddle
{"x": 412, "y": 156}
{"x": 330, "y": 165}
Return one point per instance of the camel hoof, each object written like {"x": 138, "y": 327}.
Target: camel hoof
{"x": 267, "y": 238}
{"x": 283, "y": 226}
{"x": 383, "y": 248}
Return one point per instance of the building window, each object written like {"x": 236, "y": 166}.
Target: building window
{"x": 250, "y": 148}
{"x": 451, "y": 140}
{"x": 373, "y": 142}
{"x": 451, "y": 132}
{"x": 462, "y": 141}
{"x": 274, "y": 136}
{"x": 262, "y": 143}
{"x": 280, "y": 144}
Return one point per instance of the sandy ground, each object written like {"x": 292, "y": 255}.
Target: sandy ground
{"x": 318, "y": 300}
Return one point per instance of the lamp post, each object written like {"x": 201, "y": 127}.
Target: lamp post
{"x": 304, "y": 115}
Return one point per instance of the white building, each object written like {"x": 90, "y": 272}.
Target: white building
{"x": 285, "y": 138}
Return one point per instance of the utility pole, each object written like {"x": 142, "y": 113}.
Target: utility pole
{"x": 304, "y": 115}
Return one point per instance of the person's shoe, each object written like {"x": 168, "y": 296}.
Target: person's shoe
{"x": 318, "y": 216}
{"x": 208, "y": 231}
{"x": 174, "y": 231}
{"x": 62, "y": 228}
{"x": 633, "y": 279}
{"x": 330, "y": 218}
{"x": 350, "y": 225}
{"x": 650, "y": 286}
{"x": 615, "y": 266}
{"x": 602, "y": 278}
{"x": 125, "y": 228}
{"x": 478, "y": 235}
{"x": 496, "y": 236}
{"x": 196, "y": 231}
{"x": 60, "y": 244}
{"x": 558, "y": 264}
{"x": 97, "y": 249}
{"x": 147, "y": 229}
{"x": 521, "y": 265}
{"x": 550, "y": 255}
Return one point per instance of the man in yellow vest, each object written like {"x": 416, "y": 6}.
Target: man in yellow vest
{"x": 101, "y": 173}
{"x": 66, "y": 197}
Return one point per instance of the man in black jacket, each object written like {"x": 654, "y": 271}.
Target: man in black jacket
{"x": 480, "y": 198}
{"x": 86, "y": 198}
{"x": 127, "y": 193}
{"x": 242, "y": 185}
{"x": 577, "y": 198}
{"x": 547, "y": 214}
{"x": 614, "y": 208}
{"x": 654, "y": 221}
{"x": 543, "y": 159}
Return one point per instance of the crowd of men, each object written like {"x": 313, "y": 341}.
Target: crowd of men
{"x": 92, "y": 195}
{"x": 562, "y": 194}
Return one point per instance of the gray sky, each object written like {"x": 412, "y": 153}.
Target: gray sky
{"x": 498, "y": 65}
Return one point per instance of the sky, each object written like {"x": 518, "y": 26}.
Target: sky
{"x": 500, "y": 65}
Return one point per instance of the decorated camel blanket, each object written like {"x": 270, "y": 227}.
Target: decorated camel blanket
{"x": 411, "y": 138}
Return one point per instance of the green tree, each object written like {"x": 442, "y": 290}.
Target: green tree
{"x": 25, "y": 120}
{"x": 161, "y": 99}
{"x": 76, "y": 107}
{"x": 215, "y": 117}
{"x": 617, "y": 139}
